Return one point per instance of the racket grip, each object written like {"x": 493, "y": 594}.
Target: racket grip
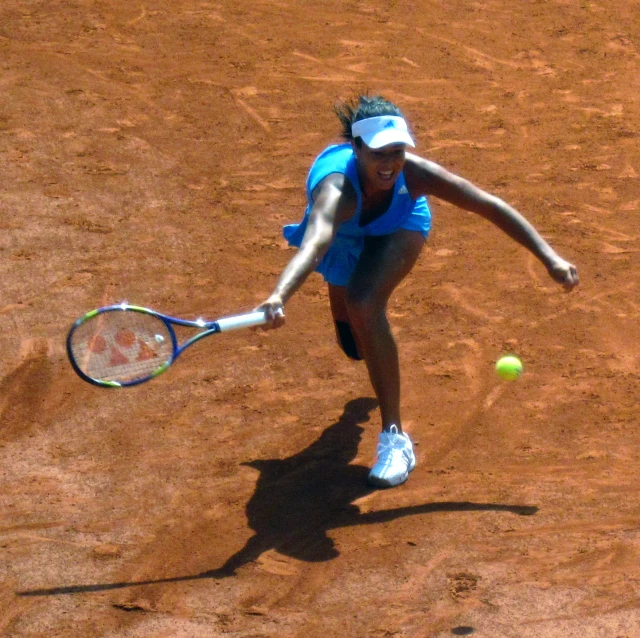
{"x": 242, "y": 321}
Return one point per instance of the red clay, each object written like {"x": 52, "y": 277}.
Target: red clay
{"x": 151, "y": 153}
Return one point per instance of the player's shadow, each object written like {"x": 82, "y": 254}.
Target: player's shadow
{"x": 297, "y": 500}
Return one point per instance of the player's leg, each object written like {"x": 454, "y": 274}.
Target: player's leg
{"x": 346, "y": 338}
{"x": 385, "y": 261}
{"x": 383, "y": 264}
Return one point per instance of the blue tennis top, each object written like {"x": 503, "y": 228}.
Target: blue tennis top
{"x": 403, "y": 212}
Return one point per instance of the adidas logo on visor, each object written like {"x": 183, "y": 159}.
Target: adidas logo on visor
{"x": 382, "y": 130}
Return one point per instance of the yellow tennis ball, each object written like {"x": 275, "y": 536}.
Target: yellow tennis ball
{"x": 509, "y": 368}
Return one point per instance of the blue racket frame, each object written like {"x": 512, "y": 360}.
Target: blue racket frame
{"x": 207, "y": 328}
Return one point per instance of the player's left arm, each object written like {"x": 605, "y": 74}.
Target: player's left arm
{"x": 428, "y": 178}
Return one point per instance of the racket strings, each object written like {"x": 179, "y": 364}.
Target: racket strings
{"x": 122, "y": 346}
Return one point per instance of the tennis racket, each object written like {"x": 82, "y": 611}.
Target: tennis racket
{"x": 122, "y": 345}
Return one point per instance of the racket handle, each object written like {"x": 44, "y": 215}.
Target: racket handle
{"x": 242, "y": 321}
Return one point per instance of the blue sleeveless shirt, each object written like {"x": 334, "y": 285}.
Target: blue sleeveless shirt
{"x": 403, "y": 212}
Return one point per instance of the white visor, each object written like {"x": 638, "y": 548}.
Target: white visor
{"x": 377, "y": 132}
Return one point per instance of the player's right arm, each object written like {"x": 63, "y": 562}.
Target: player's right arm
{"x": 334, "y": 201}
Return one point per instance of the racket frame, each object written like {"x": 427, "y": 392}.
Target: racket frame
{"x": 207, "y": 328}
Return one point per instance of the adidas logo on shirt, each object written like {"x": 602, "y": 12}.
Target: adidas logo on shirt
{"x": 403, "y": 190}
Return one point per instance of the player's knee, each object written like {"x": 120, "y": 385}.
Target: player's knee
{"x": 366, "y": 312}
{"x": 347, "y": 341}
{"x": 359, "y": 305}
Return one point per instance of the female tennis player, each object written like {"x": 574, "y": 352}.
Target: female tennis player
{"x": 366, "y": 222}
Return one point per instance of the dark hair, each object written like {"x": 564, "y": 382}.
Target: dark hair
{"x": 361, "y": 108}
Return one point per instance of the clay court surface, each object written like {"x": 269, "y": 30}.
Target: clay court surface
{"x": 151, "y": 152}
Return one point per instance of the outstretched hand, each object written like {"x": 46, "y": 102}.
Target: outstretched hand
{"x": 273, "y": 308}
{"x": 564, "y": 273}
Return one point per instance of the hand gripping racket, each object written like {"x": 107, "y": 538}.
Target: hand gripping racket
{"x": 122, "y": 345}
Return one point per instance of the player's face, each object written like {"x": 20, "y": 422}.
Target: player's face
{"x": 378, "y": 168}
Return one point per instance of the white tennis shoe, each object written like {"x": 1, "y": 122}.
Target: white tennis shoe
{"x": 395, "y": 459}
